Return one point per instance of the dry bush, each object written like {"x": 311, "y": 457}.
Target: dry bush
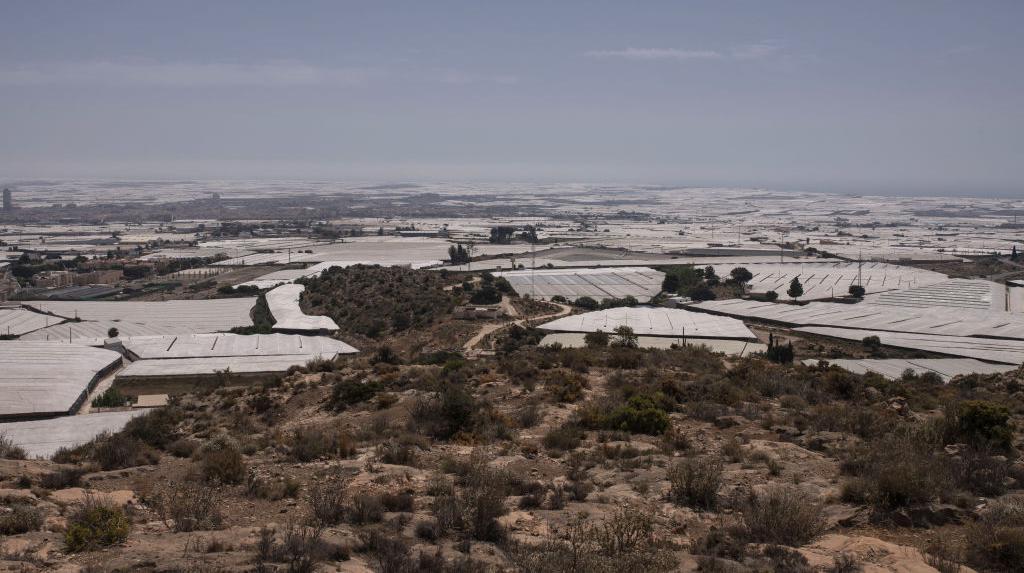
{"x": 564, "y": 385}
{"x": 428, "y": 530}
{"x": 110, "y": 452}
{"x": 62, "y": 478}
{"x": 398, "y": 502}
{"x": 186, "y": 505}
{"x": 622, "y": 542}
{"x": 302, "y": 549}
{"x": 996, "y": 541}
{"x": 563, "y": 438}
{"x": 475, "y": 505}
{"x": 397, "y": 452}
{"x": 390, "y": 553}
{"x": 221, "y": 461}
{"x": 271, "y": 489}
{"x": 482, "y": 499}
{"x": 95, "y": 525}
{"x": 900, "y": 470}
{"x": 782, "y": 515}
{"x": 365, "y": 508}
{"x": 528, "y": 416}
{"x": 327, "y": 503}
{"x": 9, "y": 450}
{"x": 21, "y": 518}
{"x": 310, "y": 443}
{"x": 695, "y": 482}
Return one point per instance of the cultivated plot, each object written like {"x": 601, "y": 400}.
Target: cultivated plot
{"x": 653, "y": 321}
{"x": 638, "y": 282}
{"x": 45, "y": 379}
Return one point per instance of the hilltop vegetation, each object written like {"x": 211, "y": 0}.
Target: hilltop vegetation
{"x": 374, "y": 301}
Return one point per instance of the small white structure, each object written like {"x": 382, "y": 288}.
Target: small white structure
{"x": 283, "y": 302}
{"x": 653, "y": 321}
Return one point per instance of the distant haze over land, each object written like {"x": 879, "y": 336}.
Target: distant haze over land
{"x": 868, "y": 97}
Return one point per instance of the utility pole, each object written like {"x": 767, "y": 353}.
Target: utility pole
{"x": 860, "y": 265}
{"x": 533, "y": 270}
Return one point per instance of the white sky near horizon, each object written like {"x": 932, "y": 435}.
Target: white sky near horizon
{"x": 872, "y": 96}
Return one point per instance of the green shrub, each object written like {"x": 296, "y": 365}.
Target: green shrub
{"x": 157, "y": 428}
{"x": 641, "y": 414}
{"x": 110, "y": 398}
{"x": 564, "y": 385}
{"x": 981, "y": 423}
{"x": 351, "y": 391}
{"x": 95, "y": 525}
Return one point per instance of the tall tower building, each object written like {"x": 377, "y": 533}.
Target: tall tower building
{"x": 8, "y": 201}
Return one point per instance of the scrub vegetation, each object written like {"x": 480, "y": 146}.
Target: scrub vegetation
{"x": 603, "y": 458}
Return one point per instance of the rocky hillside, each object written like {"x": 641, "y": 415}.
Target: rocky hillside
{"x": 550, "y": 460}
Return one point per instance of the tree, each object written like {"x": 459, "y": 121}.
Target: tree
{"x": 502, "y": 235}
{"x": 771, "y": 295}
{"x": 796, "y": 290}
{"x": 625, "y": 337}
{"x": 586, "y": 303}
{"x": 486, "y": 294}
{"x": 856, "y": 291}
{"x": 777, "y": 352}
{"x": 671, "y": 283}
{"x": 741, "y": 276}
{"x": 710, "y": 277}
{"x": 529, "y": 234}
{"x": 458, "y": 254}
{"x": 1014, "y": 255}
{"x": 596, "y": 339}
{"x": 112, "y": 332}
{"x": 700, "y": 292}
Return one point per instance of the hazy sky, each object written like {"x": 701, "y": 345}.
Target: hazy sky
{"x": 832, "y": 96}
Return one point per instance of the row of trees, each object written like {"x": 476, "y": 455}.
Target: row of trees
{"x": 698, "y": 283}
